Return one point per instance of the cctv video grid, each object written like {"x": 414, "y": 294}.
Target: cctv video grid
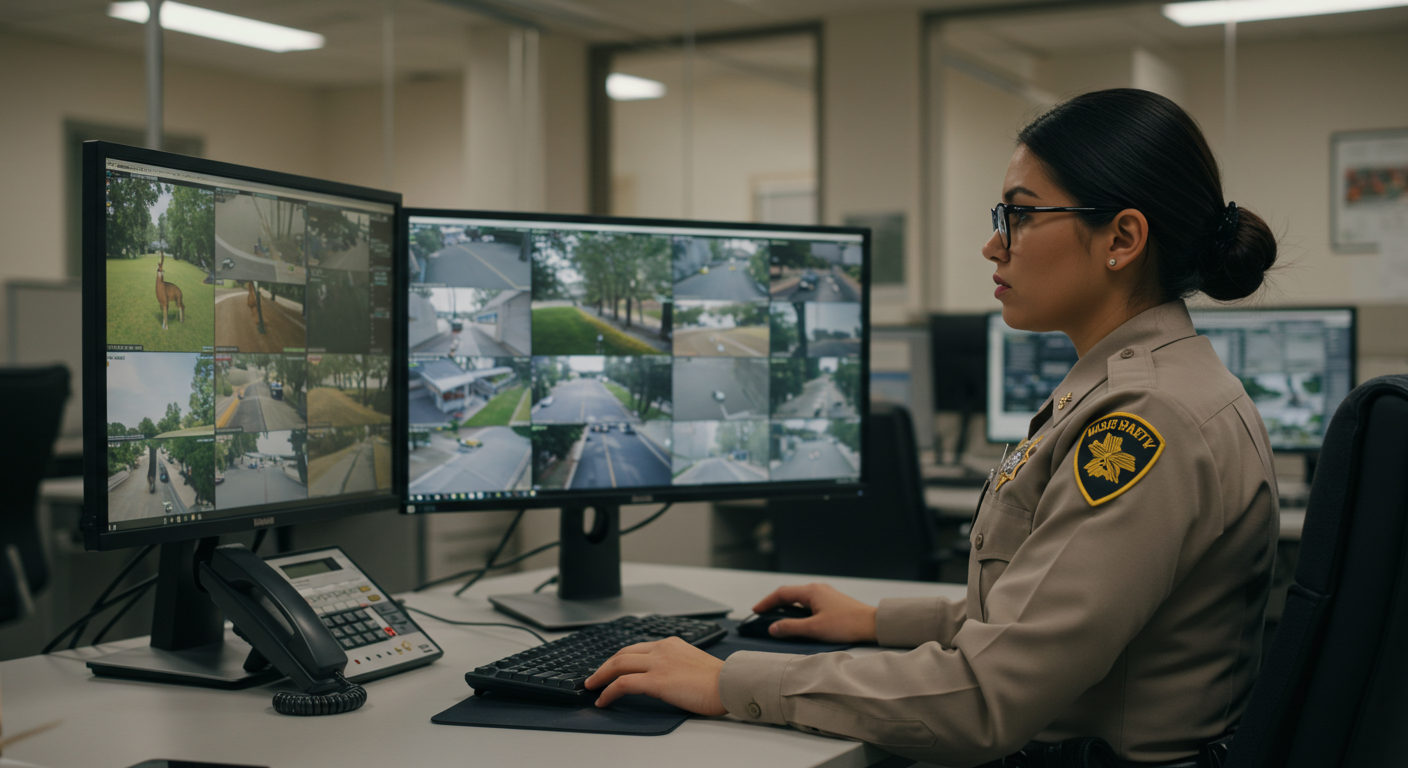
{"x": 551, "y": 356}
{"x": 1296, "y": 365}
{"x": 249, "y": 346}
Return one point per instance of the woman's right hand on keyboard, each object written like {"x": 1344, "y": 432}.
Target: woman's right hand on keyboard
{"x": 836, "y": 617}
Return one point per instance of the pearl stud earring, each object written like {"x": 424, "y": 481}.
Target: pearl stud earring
{"x": 1113, "y": 262}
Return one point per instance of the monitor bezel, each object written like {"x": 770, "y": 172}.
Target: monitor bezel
{"x": 1353, "y": 354}
{"x": 95, "y": 506}
{"x": 658, "y": 494}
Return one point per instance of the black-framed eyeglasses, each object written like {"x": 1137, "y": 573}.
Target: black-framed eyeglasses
{"x": 1002, "y": 211}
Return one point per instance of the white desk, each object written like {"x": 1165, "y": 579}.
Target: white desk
{"x": 116, "y": 723}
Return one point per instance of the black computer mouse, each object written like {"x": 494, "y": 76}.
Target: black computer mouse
{"x": 757, "y": 625}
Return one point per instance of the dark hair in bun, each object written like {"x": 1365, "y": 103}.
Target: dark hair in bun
{"x": 1126, "y": 148}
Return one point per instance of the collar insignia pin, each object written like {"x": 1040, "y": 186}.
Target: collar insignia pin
{"x": 1066, "y": 398}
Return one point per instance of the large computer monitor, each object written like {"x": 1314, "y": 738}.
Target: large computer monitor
{"x": 243, "y": 337}
{"x": 581, "y": 362}
{"x": 1296, "y": 364}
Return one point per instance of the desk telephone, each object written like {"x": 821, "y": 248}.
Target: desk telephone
{"x": 306, "y": 613}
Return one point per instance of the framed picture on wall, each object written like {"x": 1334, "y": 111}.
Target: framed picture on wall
{"x": 1368, "y": 189}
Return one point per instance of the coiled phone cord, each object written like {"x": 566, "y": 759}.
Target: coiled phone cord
{"x": 350, "y": 697}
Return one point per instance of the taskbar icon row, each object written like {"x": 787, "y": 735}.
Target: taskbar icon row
{"x": 474, "y": 496}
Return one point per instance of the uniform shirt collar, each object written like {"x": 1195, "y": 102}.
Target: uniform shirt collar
{"x": 1149, "y": 330}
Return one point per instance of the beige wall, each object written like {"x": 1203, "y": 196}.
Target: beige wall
{"x": 1291, "y": 96}
{"x": 872, "y": 151}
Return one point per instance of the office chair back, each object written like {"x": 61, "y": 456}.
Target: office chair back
{"x": 35, "y": 399}
{"x": 885, "y": 534}
{"x": 1330, "y": 692}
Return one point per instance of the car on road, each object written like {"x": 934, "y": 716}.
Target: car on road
{"x": 719, "y": 395}
{"x": 219, "y": 478}
{"x": 627, "y": 430}
{"x": 469, "y": 442}
{"x": 164, "y": 477}
{"x": 254, "y": 465}
{"x": 739, "y": 455}
{"x": 166, "y": 507}
{"x": 241, "y": 393}
{"x": 276, "y": 390}
{"x": 545, "y": 402}
{"x": 227, "y": 264}
{"x": 808, "y": 281}
{"x": 704, "y": 270}
{"x": 456, "y": 326}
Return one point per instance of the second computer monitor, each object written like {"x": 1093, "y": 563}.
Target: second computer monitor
{"x": 1296, "y": 365}
{"x": 577, "y": 360}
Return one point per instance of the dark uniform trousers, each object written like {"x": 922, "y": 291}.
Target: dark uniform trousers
{"x": 1119, "y": 574}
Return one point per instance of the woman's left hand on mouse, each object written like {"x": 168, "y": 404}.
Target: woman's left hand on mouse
{"x": 671, "y": 670}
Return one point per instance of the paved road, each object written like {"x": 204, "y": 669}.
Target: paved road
{"x": 236, "y": 325}
{"x": 833, "y": 285}
{"x": 720, "y": 470}
{"x": 721, "y": 283}
{"x": 834, "y": 348}
{"x": 815, "y": 459}
{"x": 259, "y": 411}
{"x": 479, "y": 265}
{"x": 240, "y": 228}
{"x": 131, "y": 500}
{"x": 613, "y": 459}
{"x": 244, "y": 486}
{"x": 743, "y": 383}
{"x": 500, "y": 464}
{"x": 581, "y": 401}
{"x": 746, "y": 341}
{"x": 819, "y": 398}
{"x": 471, "y": 342}
{"x": 353, "y": 471}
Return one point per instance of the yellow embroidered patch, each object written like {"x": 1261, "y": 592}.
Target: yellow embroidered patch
{"x": 1113, "y": 453}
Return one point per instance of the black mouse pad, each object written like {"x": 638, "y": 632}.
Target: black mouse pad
{"x": 630, "y": 715}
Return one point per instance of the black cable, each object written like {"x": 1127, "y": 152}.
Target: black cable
{"x": 475, "y": 623}
{"x": 551, "y": 580}
{"x": 488, "y": 565}
{"x": 147, "y": 550}
{"x": 98, "y": 638}
{"x": 89, "y": 615}
{"x": 648, "y": 520}
{"x": 346, "y": 698}
{"x": 259, "y": 537}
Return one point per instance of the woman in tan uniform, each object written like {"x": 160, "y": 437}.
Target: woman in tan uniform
{"x": 1122, "y": 553}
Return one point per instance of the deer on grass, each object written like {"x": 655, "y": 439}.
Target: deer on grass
{"x": 167, "y": 293}
{"x": 252, "y": 301}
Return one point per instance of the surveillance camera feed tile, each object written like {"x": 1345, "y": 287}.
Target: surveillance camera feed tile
{"x": 1295, "y": 364}
{"x": 553, "y": 356}
{"x": 259, "y": 375}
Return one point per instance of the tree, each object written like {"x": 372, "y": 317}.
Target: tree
{"x": 191, "y": 225}
{"x": 783, "y": 331}
{"x": 172, "y": 421}
{"x": 129, "y": 216}
{"x": 847, "y": 379}
{"x": 428, "y": 239}
{"x": 147, "y": 428}
{"x": 786, "y": 378}
{"x": 548, "y": 249}
{"x": 203, "y": 392}
{"x": 846, "y": 432}
{"x": 197, "y": 458}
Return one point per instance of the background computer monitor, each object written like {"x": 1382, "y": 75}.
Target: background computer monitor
{"x": 1297, "y": 364}
{"x": 585, "y": 362}
{"x": 242, "y": 332}
{"x": 959, "y": 346}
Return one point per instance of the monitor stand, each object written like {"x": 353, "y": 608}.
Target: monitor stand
{"x": 189, "y": 645}
{"x": 589, "y": 587}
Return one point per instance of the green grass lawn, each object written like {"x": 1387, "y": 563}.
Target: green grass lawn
{"x": 621, "y": 394}
{"x": 524, "y": 414}
{"x": 134, "y": 316}
{"x": 567, "y": 331}
{"x": 499, "y": 410}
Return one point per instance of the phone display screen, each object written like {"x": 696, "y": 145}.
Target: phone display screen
{"x": 310, "y": 568}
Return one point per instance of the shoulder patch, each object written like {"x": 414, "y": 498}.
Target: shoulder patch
{"x": 1113, "y": 453}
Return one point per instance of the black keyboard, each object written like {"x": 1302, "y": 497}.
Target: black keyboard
{"x": 557, "y": 671}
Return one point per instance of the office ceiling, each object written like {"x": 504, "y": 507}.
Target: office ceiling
{"x": 430, "y": 35}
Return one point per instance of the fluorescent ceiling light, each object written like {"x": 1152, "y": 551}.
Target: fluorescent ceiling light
{"x": 631, "y": 88}
{"x": 1205, "y": 12}
{"x": 220, "y": 26}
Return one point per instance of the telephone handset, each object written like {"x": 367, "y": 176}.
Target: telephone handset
{"x": 284, "y": 630}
